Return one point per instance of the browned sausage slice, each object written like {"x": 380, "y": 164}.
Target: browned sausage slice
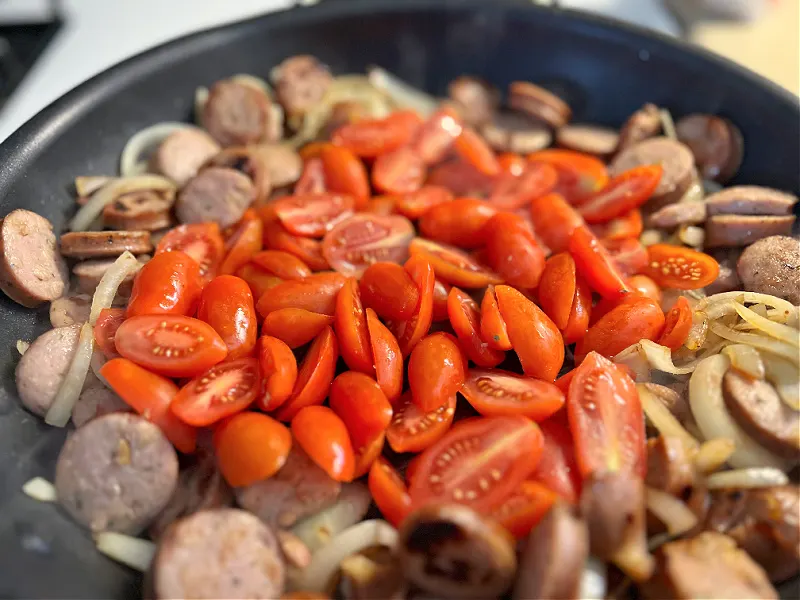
{"x": 68, "y": 310}
{"x": 237, "y": 113}
{"x": 300, "y": 83}
{"x": 759, "y": 410}
{"x": 283, "y": 164}
{"x": 145, "y": 210}
{"x": 772, "y": 266}
{"x": 475, "y": 99}
{"x": 90, "y": 272}
{"x": 41, "y": 369}
{"x": 116, "y": 473}
{"x": 731, "y": 231}
{"x": 707, "y": 566}
{"x": 716, "y": 143}
{"x": 538, "y": 103}
{"x": 515, "y": 132}
{"x": 104, "y": 244}
{"x": 675, "y": 402}
{"x": 94, "y": 402}
{"x": 680, "y": 213}
{"x": 216, "y": 194}
{"x": 675, "y": 158}
{"x": 182, "y": 153}
{"x": 249, "y": 161}
{"x": 31, "y": 269}
{"x": 298, "y": 490}
{"x": 554, "y": 558}
{"x": 750, "y": 200}
{"x": 219, "y": 553}
{"x": 589, "y": 139}
{"x": 641, "y": 125}
{"x": 669, "y": 466}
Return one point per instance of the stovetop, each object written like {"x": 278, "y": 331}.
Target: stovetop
{"x": 20, "y": 46}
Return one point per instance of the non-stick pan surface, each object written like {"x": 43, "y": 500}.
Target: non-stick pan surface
{"x": 603, "y": 69}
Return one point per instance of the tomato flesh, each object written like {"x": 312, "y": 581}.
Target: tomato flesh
{"x": 557, "y": 469}
{"x": 389, "y": 492}
{"x": 493, "y": 392}
{"x": 105, "y": 329}
{"x": 680, "y": 268}
{"x": 363, "y": 239}
{"x": 413, "y": 430}
{"x": 313, "y": 215}
{"x": 524, "y": 508}
{"x": 452, "y": 265}
{"x": 625, "y": 192}
{"x": 202, "y": 242}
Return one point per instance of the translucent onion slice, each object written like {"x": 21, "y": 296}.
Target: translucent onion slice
{"x": 691, "y": 235}
{"x": 713, "y": 454}
{"x": 40, "y": 489}
{"x": 667, "y": 124}
{"x": 747, "y": 478}
{"x": 22, "y": 346}
{"x": 786, "y": 378}
{"x": 128, "y": 550}
{"x": 60, "y": 411}
{"x": 714, "y": 421}
{"x": 200, "y": 99}
{"x": 136, "y": 153}
{"x": 761, "y": 342}
{"x": 86, "y": 185}
{"x": 662, "y": 419}
{"x": 674, "y": 514}
{"x": 660, "y": 358}
{"x": 108, "y": 193}
{"x": 745, "y": 359}
{"x": 317, "y": 530}
{"x": 634, "y": 358}
{"x": 748, "y": 297}
{"x": 402, "y": 94}
{"x": 698, "y": 331}
{"x": 594, "y": 580}
{"x": 777, "y": 330}
{"x": 106, "y": 290}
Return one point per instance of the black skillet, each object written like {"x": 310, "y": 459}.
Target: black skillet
{"x": 605, "y": 70}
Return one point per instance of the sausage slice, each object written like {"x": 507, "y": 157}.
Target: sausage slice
{"x": 220, "y": 553}
{"x": 283, "y": 163}
{"x": 680, "y": 213}
{"x": 475, "y": 99}
{"x": 31, "y": 269}
{"x": 250, "y": 161}
{"x": 538, "y": 103}
{"x": 145, "y": 210}
{"x": 669, "y": 466}
{"x": 300, "y": 83}
{"x": 759, "y": 410}
{"x": 641, "y": 125}
{"x": 96, "y": 401}
{"x": 90, "y": 272}
{"x": 553, "y": 560}
{"x": 772, "y": 266}
{"x": 68, "y": 310}
{"x": 731, "y": 231}
{"x": 237, "y": 113}
{"x": 182, "y": 153}
{"x": 589, "y": 139}
{"x": 750, "y": 200}
{"x": 104, "y": 244}
{"x": 116, "y": 473}
{"x": 516, "y": 132}
{"x": 716, "y": 143}
{"x": 216, "y": 194}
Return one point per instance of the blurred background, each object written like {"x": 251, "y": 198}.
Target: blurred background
{"x": 48, "y": 47}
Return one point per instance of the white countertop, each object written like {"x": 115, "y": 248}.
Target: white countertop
{"x": 100, "y": 33}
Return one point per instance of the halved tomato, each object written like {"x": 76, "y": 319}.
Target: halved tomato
{"x": 200, "y": 241}
{"x": 461, "y": 178}
{"x": 473, "y": 148}
{"x": 350, "y": 324}
{"x": 367, "y": 454}
{"x": 246, "y": 239}
{"x": 387, "y": 357}
{"x": 625, "y": 192}
{"x": 524, "y": 508}
{"x": 249, "y": 447}
{"x": 276, "y": 237}
{"x": 435, "y": 370}
{"x": 108, "y": 321}
{"x": 398, "y": 172}
{"x": 389, "y": 491}
{"x": 594, "y": 263}
{"x": 409, "y": 333}
{"x": 557, "y": 468}
{"x": 413, "y": 430}
{"x": 493, "y": 392}
{"x": 454, "y": 266}
{"x": 465, "y": 318}
{"x": 369, "y": 138}
{"x": 678, "y": 322}
{"x": 345, "y": 173}
{"x": 629, "y": 255}
{"x": 459, "y": 222}
{"x": 281, "y": 264}
{"x": 323, "y": 436}
{"x": 437, "y": 135}
{"x": 312, "y": 215}
{"x": 362, "y": 405}
{"x": 312, "y": 180}
{"x": 479, "y": 462}
{"x": 279, "y": 370}
{"x": 388, "y": 289}
{"x": 557, "y": 288}
{"x": 515, "y": 191}
{"x": 680, "y": 268}
{"x": 493, "y": 327}
{"x": 579, "y": 175}
{"x": 416, "y": 204}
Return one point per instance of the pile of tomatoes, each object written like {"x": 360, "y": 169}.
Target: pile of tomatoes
{"x": 377, "y": 310}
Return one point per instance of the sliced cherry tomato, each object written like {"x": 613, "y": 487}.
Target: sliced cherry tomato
{"x": 170, "y": 345}
{"x": 511, "y": 163}
{"x": 167, "y": 284}
{"x": 314, "y": 376}
{"x": 412, "y": 468}
{"x": 276, "y": 237}
{"x": 512, "y": 251}
{"x": 200, "y": 241}
{"x": 579, "y": 175}
{"x": 554, "y": 221}
{"x": 413, "y": 430}
{"x": 281, "y": 264}
{"x": 108, "y": 321}
{"x": 312, "y": 150}
{"x": 389, "y": 492}
{"x": 416, "y": 204}
{"x": 479, "y": 462}
{"x": 409, "y": 333}
{"x": 557, "y": 288}
{"x": 150, "y": 395}
{"x": 279, "y": 370}
{"x": 493, "y": 327}
{"x": 245, "y": 241}
{"x": 312, "y": 180}
{"x": 515, "y": 191}
{"x": 388, "y": 289}
{"x": 680, "y": 268}
{"x": 635, "y": 319}
{"x": 459, "y": 222}
{"x": 557, "y": 468}
{"x": 386, "y": 355}
{"x": 678, "y": 322}
{"x": 227, "y": 305}
{"x": 629, "y": 225}
{"x": 606, "y": 419}
{"x": 258, "y": 280}
{"x": 312, "y": 215}
{"x": 398, "y": 172}
{"x": 323, "y": 435}
{"x": 350, "y": 324}
{"x": 437, "y": 135}
{"x": 524, "y": 508}
{"x": 535, "y": 338}
{"x": 625, "y": 192}
{"x": 345, "y": 174}
{"x": 465, "y": 318}
{"x": 474, "y": 150}
{"x": 383, "y": 206}
{"x": 579, "y": 314}
{"x": 369, "y": 138}
{"x": 368, "y": 454}
{"x": 363, "y": 239}
{"x": 452, "y": 265}
{"x": 250, "y": 447}
{"x": 462, "y": 179}
{"x": 643, "y": 285}
{"x": 225, "y": 389}
{"x": 441, "y": 291}
{"x": 295, "y": 326}
{"x": 316, "y": 293}
{"x": 493, "y": 392}
{"x": 435, "y": 371}
{"x": 362, "y": 405}
{"x": 593, "y": 263}
{"x": 629, "y": 255}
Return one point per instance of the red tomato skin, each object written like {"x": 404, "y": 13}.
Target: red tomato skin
{"x": 387, "y": 357}
{"x": 279, "y": 369}
{"x": 594, "y": 264}
{"x": 513, "y": 252}
{"x": 389, "y": 492}
{"x": 388, "y": 289}
{"x": 625, "y": 192}
{"x": 465, "y": 318}
{"x": 361, "y": 404}
{"x": 459, "y": 222}
{"x": 323, "y": 436}
{"x": 557, "y": 468}
{"x": 227, "y": 305}
{"x": 108, "y": 321}
{"x": 494, "y": 392}
{"x": 424, "y": 428}
{"x": 168, "y": 284}
{"x": 436, "y": 371}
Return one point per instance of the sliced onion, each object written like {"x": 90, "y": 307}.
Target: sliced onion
{"x": 667, "y": 124}
{"x": 785, "y": 377}
{"x": 109, "y": 193}
{"x": 594, "y": 580}
{"x": 777, "y": 330}
{"x": 87, "y": 185}
{"x": 695, "y": 193}
{"x": 402, "y": 94}
{"x": 136, "y": 153}
{"x": 318, "y": 576}
{"x": 748, "y": 297}
{"x": 674, "y": 514}
{"x": 692, "y": 235}
{"x": 713, "y": 454}
{"x": 128, "y": 550}
{"x": 22, "y": 346}
{"x": 60, "y": 411}
{"x": 351, "y": 506}
{"x": 40, "y": 489}
{"x": 634, "y": 358}
{"x": 200, "y": 99}
{"x": 698, "y": 331}
{"x": 745, "y": 359}
{"x": 761, "y": 342}
{"x": 662, "y": 419}
{"x": 106, "y": 290}
{"x": 747, "y": 478}
{"x": 714, "y": 421}
{"x": 651, "y": 237}
{"x": 660, "y": 358}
